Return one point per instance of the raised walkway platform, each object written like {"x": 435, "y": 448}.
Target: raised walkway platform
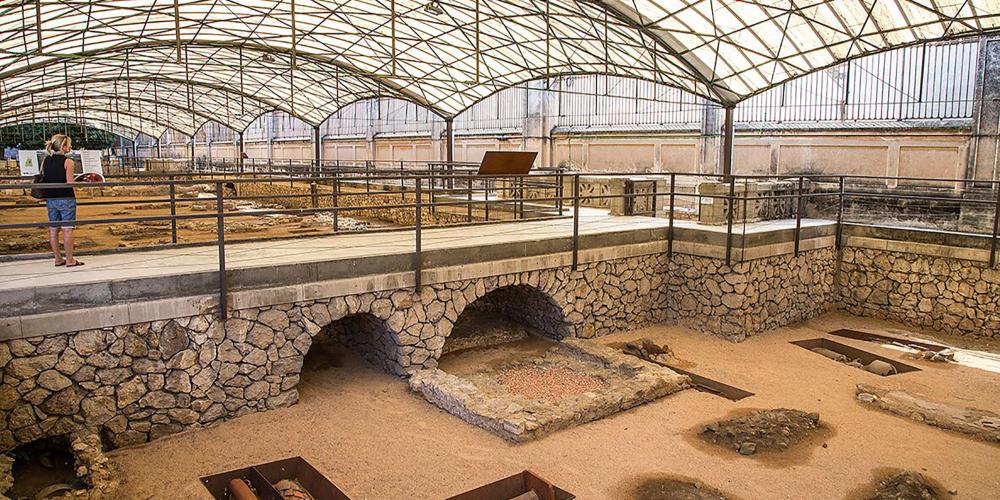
{"x": 37, "y": 298}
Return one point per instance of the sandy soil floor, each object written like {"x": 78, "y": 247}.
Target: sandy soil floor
{"x": 376, "y": 440}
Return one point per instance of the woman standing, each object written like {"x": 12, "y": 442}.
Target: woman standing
{"x": 61, "y": 202}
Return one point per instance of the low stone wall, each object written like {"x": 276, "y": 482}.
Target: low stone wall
{"x": 751, "y": 297}
{"x": 948, "y": 295}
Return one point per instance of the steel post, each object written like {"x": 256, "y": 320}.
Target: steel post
{"x": 576, "y": 219}
{"x": 417, "y": 257}
{"x": 173, "y": 210}
{"x": 730, "y": 209}
{"x": 798, "y": 215}
{"x": 670, "y": 226}
{"x": 220, "y": 227}
{"x": 996, "y": 227}
{"x": 840, "y": 215}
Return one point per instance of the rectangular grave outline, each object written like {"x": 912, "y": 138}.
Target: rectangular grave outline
{"x": 853, "y": 353}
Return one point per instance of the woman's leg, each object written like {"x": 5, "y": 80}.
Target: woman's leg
{"x": 54, "y": 216}
{"x": 69, "y": 214}
{"x": 54, "y": 243}
{"x": 68, "y": 244}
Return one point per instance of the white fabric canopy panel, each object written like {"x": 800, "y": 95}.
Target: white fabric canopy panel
{"x": 230, "y": 60}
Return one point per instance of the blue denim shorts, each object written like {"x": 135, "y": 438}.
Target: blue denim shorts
{"x": 62, "y": 209}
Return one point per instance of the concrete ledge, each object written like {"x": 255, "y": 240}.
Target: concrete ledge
{"x": 36, "y": 325}
{"x": 84, "y": 296}
{"x": 915, "y": 247}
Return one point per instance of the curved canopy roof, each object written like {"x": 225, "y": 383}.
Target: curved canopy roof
{"x": 179, "y": 63}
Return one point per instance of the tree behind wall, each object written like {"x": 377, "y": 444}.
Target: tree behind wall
{"x": 34, "y": 135}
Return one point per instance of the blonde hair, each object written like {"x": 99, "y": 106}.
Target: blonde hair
{"x": 58, "y": 143}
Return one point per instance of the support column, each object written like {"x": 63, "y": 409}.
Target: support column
{"x": 270, "y": 139}
{"x": 984, "y": 144}
{"x": 159, "y": 152}
{"x": 192, "y": 152}
{"x": 449, "y": 132}
{"x": 317, "y": 147}
{"x": 239, "y": 150}
{"x": 541, "y": 106}
{"x": 726, "y": 153}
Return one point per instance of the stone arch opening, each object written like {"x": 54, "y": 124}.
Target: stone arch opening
{"x": 507, "y": 314}
{"x": 41, "y": 467}
{"x": 366, "y": 335}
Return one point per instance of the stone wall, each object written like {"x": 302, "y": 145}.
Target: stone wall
{"x": 751, "y": 297}
{"x": 142, "y": 381}
{"x": 138, "y": 382}
{"x": 949, "y": 295}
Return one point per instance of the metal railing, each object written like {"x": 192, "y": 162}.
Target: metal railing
{"x": 427, "y": 192}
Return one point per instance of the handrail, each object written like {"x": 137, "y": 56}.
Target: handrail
{"x": 543, "y": 191}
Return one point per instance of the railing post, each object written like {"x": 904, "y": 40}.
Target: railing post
{"x": 368, "y": 186}
{"x": 559, "y": 191}
{"x": 731, "y": 208}
{"x": 840, "y": 215}
{"x": 576, "y": 219}
{"x": 655, "y": 193}
{"x": 798, "y": 215}
{"x": 486, "y": 197}
{"x": 336, "y": 201}
{"x": 313, "y": 193}
{"x": 520, "y": 195}
{"x": 220, "y": 226}
{"x": 417, "y": 257}
{"x": 670, "y": 227}
{"x": 996, "y": 227}
{"x": 173, "y": 210}
{"x": 431, "y": 191}
{"x": 468, "y": 194}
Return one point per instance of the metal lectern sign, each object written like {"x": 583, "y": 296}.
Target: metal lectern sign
{"x": 507, "y": 162}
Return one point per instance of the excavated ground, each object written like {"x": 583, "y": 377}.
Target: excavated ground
{"x": 374, "y": 438}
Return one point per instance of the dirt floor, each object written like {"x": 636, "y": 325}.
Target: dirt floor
{"x": 15, "y": 209}
{"x": 376, "y": 440}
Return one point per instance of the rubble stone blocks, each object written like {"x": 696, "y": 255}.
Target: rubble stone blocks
{"x": 751, "y": 297}
{"x": 948, "y": 295}
{"x": 479, "y": 401}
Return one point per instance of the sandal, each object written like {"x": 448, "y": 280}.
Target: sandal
{"x": 78, "y": 263}
{"x": 63, "y": 263}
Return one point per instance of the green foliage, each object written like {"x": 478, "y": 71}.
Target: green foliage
{"x": 34, "y": 135}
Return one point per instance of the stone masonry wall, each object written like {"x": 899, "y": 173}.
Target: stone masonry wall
{"x": 750, "y": 297}
{"x": 139, "y": 382}
{"x": 953, "y": 296}
{"x": 143, "y": 381}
